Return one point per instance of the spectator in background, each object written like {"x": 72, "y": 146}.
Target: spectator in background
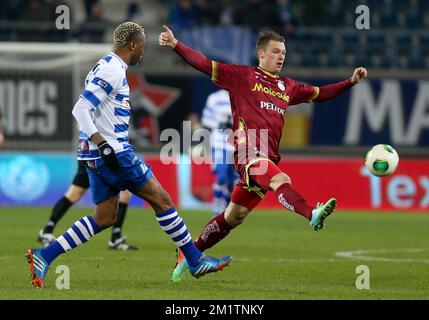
{"x": 208, "y": 12}
{"x": 94, "y": 27}
{"x": 37, "y": 17}
{"x": 258, "y": 14}
{"x": 183, "y": 14}
{"x": 88, "y": 4}
{"x": 6, "y": 15}
{"x": 133, "y": 12}
{"x": 287, "y": 19}
{"x": 314, "y": 12}
{"x": 226, "y": 13}
{"x": 6, "y": 10}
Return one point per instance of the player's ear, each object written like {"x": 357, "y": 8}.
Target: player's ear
{"x": 260, "y": 53}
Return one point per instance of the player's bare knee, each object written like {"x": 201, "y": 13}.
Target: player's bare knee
{"x": 75, "y": 193}
{"x": 124, "y": 196}
{"x": 238, "y": 220}
{"x": 162, "y": 202}
{"x": 165, "y": 201}
{"x": 236, "y": 216}
{"x": 104, "y": 220}
{"x": 106, "y": 212}
{"x": 279, "y": 180}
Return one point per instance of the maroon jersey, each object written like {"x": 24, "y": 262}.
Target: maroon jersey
{"x": 259, "y": 101}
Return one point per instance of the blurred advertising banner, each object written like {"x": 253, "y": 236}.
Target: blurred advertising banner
{"x": 37, "y": 108}
{"x": 41, "y": 179}
{"x": 35, "y": 179}
{"x": 319, "y": 179}
{"x": 376, "y": 111}
{"x": 28, "y": 179}
{"x": 354, "y": 187}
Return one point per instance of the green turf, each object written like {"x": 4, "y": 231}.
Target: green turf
{"x": 276, "y": 256}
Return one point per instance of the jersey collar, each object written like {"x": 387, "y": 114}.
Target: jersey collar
{"x": 124, "y": 65}
{"x": 268, "y": 73}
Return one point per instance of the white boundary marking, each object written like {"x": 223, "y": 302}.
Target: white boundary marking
{"x": 360, "y": 254}
{"x": 366, "y": 255}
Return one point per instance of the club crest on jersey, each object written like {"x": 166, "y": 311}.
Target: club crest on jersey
{"x": 83, "y": 147}
{"x": 281, "y": 85}
{"x": 91, "y": 164}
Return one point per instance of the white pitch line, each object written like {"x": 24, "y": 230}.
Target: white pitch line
{"x": 361, "y": 254}
{"x": 241, "y": 259}
{"x": 364, "y": 254}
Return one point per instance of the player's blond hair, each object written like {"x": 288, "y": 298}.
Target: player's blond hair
{"x": 265, "y": 36}
{"x": 126, "y": 32}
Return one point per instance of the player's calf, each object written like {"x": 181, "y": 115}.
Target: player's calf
{"x": 292, "y": 200}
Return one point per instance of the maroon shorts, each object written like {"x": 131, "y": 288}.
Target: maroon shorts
{"x": 254, "y": 182}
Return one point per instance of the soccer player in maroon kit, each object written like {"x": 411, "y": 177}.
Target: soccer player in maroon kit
{"x": 259, "y": 99}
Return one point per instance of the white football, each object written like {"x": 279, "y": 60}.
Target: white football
{"x": 382, "y": 160}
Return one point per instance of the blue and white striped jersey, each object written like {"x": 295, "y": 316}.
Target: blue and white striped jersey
{"x": 218, "y": 117}
{"x": 107, "y": 91}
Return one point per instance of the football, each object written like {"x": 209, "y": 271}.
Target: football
{"x": 382, "y": 160}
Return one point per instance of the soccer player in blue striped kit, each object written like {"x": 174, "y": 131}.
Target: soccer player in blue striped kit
{"x": 217, "y": 117}
{"x": 103, "y": 112}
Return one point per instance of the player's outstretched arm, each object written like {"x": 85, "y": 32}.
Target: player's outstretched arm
{"x": 332, "y": 90}
{"x": 358, "y": 75}
{"x": 166, "y": 38}
{"x": 194, "y": 58}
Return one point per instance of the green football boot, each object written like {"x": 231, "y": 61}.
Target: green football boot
{"x": 321, "y": 212}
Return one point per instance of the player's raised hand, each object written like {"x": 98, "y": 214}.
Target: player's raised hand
{"x": 359, "y": 74}
{"x": 166, "y": 38}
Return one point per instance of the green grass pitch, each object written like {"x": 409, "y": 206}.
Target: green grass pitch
{"x": 276, "y": 256}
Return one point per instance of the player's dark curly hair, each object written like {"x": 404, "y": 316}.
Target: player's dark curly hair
{"x": 265, "y": 36}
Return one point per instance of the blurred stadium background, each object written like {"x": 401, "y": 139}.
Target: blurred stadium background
{"x": 42, "y": 71}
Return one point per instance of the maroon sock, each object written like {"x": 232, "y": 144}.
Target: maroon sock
{"x": 292, "y": 200}
{"x": 213, "y": 232}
